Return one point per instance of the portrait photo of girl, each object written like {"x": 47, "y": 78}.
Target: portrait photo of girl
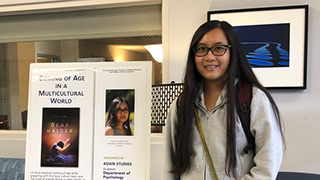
{"x": 119, "y": 113}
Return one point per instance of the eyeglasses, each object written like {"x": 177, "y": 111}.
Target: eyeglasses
{"x": 219, "y": 50}
{"x": 124, "y": 111}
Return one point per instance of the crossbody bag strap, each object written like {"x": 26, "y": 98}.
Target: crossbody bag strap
{"x": 205, "y": 144}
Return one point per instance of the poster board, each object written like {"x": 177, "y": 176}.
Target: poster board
{"x": 67, "y": 111}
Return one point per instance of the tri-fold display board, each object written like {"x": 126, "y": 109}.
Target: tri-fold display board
{"x": 89, "y": 121}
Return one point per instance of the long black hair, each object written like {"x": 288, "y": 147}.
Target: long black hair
{"x": 112, "y": 114}
{"x": 239, "y": 68}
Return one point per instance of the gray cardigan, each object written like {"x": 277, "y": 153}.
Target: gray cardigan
{"x": 264, "y": 165}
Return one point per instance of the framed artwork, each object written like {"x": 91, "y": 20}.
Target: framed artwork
{"x": 275, "y": 42}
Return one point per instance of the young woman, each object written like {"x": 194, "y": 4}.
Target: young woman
{"x": 118, "y": 118}
{"x": 216, "y": 62}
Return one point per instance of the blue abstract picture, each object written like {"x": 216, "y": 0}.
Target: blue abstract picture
{"x": 266, "y": 45}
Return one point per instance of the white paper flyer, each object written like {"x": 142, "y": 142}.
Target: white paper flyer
{"x": 122, "y": 122}
{"x": 59, "y": 123}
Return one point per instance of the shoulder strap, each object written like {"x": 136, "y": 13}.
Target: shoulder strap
{"x": 244, "y": 94}
{"x": 205, "y": 147}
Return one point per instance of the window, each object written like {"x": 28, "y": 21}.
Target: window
{"x": 116, "y": 34}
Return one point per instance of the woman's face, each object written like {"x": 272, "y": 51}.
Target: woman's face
{"x": 211, "y": 67}
{"x": 122, "y": 112}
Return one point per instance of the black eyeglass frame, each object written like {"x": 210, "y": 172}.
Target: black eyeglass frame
{"x": 124, "y": 111}
{"x": 227, "y": 46}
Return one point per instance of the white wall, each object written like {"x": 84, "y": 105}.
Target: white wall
{"x": 300, "y": 109}
{"x": 13, "y": 144}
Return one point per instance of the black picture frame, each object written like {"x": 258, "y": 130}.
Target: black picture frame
{"x": 275, "y": 40}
